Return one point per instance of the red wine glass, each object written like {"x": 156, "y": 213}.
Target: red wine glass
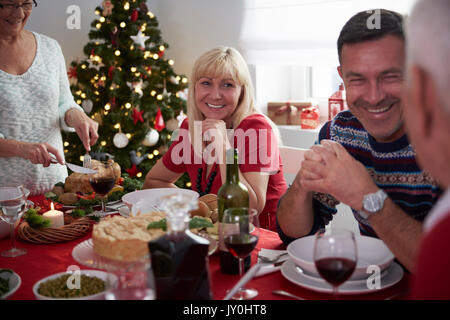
{"x": 241, "y": 233}
{"x": 102, "y": 181}
{"x": 335, "y": 256}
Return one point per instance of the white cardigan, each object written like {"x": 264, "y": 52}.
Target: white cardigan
{"x": 32, "y": 108}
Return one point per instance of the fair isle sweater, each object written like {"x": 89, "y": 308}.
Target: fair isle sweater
{"x": 392, "y": 166}
{"x": 32, "y": 109}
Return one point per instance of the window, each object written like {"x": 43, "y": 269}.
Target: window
{"x": 291, "y": 45}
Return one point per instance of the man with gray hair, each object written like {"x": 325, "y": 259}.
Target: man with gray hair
{"x": 427, "y": 118}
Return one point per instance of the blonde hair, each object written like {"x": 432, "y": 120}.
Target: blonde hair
{"x": 220, "y": 62}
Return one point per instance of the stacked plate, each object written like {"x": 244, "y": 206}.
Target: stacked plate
{"x": 147, "y": 200}
{"x": 375, "y": 269}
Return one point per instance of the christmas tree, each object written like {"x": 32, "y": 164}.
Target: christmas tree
{"x": 127, "y": 85}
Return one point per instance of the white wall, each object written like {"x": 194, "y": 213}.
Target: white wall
{"x": 190, "y": 27}
{"x": 49, "y": 18}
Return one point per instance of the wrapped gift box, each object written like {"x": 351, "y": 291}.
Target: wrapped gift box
{"x": 310, "y": 117}
{"x": 286, "y": 113}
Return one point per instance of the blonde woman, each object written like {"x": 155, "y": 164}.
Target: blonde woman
{"x": 222, "y": 114}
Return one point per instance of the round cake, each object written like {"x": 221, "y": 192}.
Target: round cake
{"x": 125, "y": 239}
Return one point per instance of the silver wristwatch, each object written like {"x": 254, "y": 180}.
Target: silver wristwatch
{"x": 373, "y": 203}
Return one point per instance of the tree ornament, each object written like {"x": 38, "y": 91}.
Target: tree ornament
{"x": 174, "y": 80}
{"x": 172, "y": 124}
{"x": 143, "y": 7}
{"x": 87, "y": 105}
{"x": 134, "y": 15}
{"x": 181, "y": 118}
{"x": 136, "y": 86}
{"x": 140, "y": 39}
{"x": 137, "y": 116}
{"x": 136, "y": 157}
{"x": 133, "y": 171}
{"x": 115, "y": 37}
{"x": 107, "y": 8}
{"x": 120, "y": 140}
{"x": 159, "y": 121}
{"x": 112, "y": 102}
{"x": 110, "y": 71}
{"x": 72, "y": 73}
{"x": 151, "y": 138}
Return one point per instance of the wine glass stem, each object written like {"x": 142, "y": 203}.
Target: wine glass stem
{"x": 13, "y": 235}
{"x": 241, "y": 269}
{"x": 103, "y": 205}
{"x": 335, "y": 292}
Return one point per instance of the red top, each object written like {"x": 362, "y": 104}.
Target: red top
{"x": 432, "y": 276}
{"x": 258, "y": 152}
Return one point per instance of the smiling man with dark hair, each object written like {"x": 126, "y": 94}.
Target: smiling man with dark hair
{"x": 364, "y": 158}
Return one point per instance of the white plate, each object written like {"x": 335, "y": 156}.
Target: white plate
{"x": 150, "y": 196}
{"x": 371, "y": 251}
{"x": 289, "y": 271}
{"x": 112, "y": 203}
{"x": 315, "y": 277}
{"x": 14, "y": 281}
{"x": 106, "y": 277}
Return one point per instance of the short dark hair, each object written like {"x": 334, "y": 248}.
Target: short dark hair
{"x": 356, "y": 29}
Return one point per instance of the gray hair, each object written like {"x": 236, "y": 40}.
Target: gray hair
{"x": 428, "y": 42}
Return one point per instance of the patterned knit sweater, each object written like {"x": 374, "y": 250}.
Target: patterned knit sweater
{"x": 32, "y": 108}
{"x": 392, "y": 166}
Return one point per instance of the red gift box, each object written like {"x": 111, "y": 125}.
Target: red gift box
{"x": 309, "y": 118}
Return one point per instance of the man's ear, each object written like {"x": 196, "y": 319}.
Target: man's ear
{"x": 339, "y": 70}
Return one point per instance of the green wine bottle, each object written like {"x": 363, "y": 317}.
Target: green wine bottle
{"x": 232, "y": 194}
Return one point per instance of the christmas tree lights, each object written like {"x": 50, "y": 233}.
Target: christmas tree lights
{"x": 128, "y": 86}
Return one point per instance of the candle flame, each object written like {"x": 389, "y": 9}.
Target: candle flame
{"x": 52, "y": 207}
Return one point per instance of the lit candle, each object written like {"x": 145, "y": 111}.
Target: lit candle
{"x": 56, "y": 217}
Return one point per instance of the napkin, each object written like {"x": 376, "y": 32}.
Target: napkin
{"x": 272, "y": 267}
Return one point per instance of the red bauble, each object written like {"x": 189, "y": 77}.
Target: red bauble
{"x": 159, "y": 121}
{"x": 134, "y": 15}
{"x": 110, "y": 71}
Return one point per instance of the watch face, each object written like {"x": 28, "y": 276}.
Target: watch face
{"x": 374, "y": 202}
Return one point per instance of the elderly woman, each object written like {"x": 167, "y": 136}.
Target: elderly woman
{"x": 221, "y": 102}
{"x": 35, "y": 104}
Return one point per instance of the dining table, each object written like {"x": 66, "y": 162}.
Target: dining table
{"x": 42, "y": 260}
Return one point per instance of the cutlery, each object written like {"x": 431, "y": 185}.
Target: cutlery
{"x": 79, "y": 169}
{"x": 249, "y": 276}
{"x": 271, "y": 260}
{"x": 287, "y": 294}
{"x": 74, "y": 167}
{"x": 87, "y": 160}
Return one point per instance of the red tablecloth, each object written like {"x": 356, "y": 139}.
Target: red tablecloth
{"x": 44, "y": 260}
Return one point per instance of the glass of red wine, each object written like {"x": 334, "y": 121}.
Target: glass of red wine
{"x": 335, "y": 256}
{"x": 241, "y": 234}
{"x": 102, "y": 181}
